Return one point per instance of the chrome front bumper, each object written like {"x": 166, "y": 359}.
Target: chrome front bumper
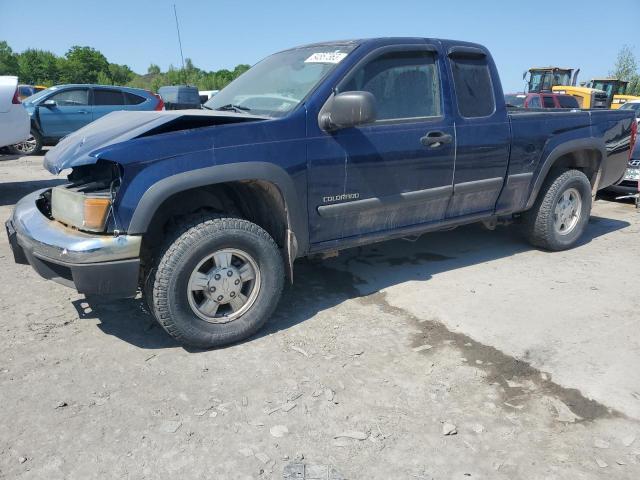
{"x": 102, "y": 264}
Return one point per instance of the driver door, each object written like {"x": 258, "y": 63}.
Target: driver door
{"x": 392, "y": 173}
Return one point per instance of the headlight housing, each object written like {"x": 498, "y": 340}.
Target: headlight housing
{"x": 84, "y": 211}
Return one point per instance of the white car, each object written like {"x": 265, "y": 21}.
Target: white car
{"x": 633, "y": 105}
{"x": 14, "y": 119}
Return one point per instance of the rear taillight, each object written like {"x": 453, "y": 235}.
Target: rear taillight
{"x": 634, "y": 137}
{"x": 16, "y": 98}
{"x": 160, "y": 105}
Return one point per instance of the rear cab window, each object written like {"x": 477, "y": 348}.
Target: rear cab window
{"x": 472, "y": 82}
{"x": 547, "y": 102}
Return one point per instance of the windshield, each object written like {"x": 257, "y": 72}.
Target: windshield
{"x": 611, "y": 87}
{"x": 632, "y": 106}
{"x": 606, "y": 86}
{"x": 277, "y": 84}
{"x": 544, "y": 80}
{"x": 38, "y": 95}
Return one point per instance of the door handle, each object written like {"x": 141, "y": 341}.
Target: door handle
{"x": 83, "y": 111}
{"x": 435, "y": 139}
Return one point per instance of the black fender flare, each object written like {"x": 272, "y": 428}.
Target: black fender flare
{"x": 163, "y": 189}
{"x": 570, "y": 146}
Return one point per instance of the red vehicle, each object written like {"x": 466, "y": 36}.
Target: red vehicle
{"x": 541, "y": 100}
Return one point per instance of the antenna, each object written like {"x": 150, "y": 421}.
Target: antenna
{"x": 175, "y": 13}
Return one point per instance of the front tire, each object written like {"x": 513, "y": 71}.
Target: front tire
{"x": 217, "y": 282}
{"x": 561, "y": 212}
{"x": 31, "y": 146}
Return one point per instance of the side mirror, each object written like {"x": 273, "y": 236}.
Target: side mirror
{"x": 349, "y": 109}
{"x": 49, "y": 103}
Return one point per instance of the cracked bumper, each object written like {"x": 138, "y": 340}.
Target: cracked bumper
{"x": 93, "y": 264}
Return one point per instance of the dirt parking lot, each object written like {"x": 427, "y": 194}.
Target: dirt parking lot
{"x": 463, "y": 355}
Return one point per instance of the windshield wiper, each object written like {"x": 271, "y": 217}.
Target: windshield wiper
{"x": 208, "y": 108}
{"x": 233, "y": 108}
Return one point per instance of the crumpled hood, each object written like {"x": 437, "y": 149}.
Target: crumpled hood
{"x": 78, "y": 148}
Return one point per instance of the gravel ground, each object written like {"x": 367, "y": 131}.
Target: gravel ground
{"x": 464, "y": 354}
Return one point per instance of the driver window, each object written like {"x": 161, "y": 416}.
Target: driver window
{"x": 71, "y": 98}
{"x": 404, "y": 84}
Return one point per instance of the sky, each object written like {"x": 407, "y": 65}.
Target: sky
{"x": 223, "y": 33}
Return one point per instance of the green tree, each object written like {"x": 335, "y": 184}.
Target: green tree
{"x": 626, "y": 68}
{"x": 103, "y": 79}
{"x": 173, "y": 76}
{"x": 188, "y": 65}
{"x": 8, "y": 60}
{"x": 88, "y": 65}
{"x": 240, "y": 69}
{"x": 634, "y": 86}
{"x": 84, "y": 65}
{"x": 626, "y": 65}
{"x": 120, "y": 74}
{"x": 38, "y": 67}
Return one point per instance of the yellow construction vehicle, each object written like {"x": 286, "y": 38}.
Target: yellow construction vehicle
{"x": 563, "y": 80}
{"x": 616, "y": 90}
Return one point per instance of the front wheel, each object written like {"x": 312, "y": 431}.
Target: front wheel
{"x": 561, "y": 213}
{"x": 217, "y": 282}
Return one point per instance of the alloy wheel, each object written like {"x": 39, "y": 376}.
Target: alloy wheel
{"x": 567, "y": 211}
{"x": 224, "y": 285}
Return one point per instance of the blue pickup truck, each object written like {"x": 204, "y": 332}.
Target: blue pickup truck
{"x": 315, "y": 149}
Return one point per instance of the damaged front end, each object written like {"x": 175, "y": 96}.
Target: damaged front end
{"x": 72, "y": 233}
{"x": 66, "y": 235}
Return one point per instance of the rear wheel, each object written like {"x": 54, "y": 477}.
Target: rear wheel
{"x": 561, "y": 212}
{"x": 31, "y": 146}
{"x": 217, "y": 282}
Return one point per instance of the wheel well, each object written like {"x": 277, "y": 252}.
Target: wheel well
{"x": 258, "y": 201}
{"x": 587, "y": 161}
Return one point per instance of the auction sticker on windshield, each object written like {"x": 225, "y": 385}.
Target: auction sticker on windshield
{"x": 326, "y": 57}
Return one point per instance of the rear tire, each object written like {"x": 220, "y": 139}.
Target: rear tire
{"x": 31, "y": 146}
{"x": 217, "y": 281}
{"x": 561, "y": 212}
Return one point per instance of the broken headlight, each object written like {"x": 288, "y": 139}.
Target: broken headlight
{"x": 83, "y": 211}
{"x": 85, "y": 203}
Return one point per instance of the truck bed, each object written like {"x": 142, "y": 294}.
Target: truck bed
{"x": 537, "y": 132}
